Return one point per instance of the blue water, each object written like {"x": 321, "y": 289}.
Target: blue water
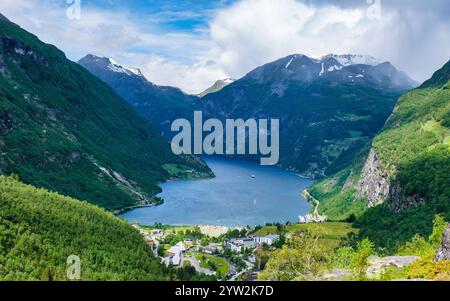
{"x": 233, "y": 198}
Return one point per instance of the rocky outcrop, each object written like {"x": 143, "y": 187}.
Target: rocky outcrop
{"x": 374, "y": 184}
{"x": 377, "y": 187}
{"x": 398, "y": 201}
{"x": 15, "y": 47}
{"x": 349, "y": 182}
{"x": 376, "y": 268}
{"x": 378, "y": 265}
{"x": 444, "y": 250}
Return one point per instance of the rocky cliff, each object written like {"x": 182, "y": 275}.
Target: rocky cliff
{"x": 444, "y": 251}
{"x": 378, "y": 186}
{"x": 374, "y": 184}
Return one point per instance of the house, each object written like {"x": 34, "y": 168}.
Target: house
{"x": 268, "y": 239}
{"x": 150, "y": 240}
{"x": 157, "y": 232}
{"x": 312, "y": 218}
{"x": 237, "y": 245}
{"x": 182, "y": 246}
{"x": 175, "y": 254}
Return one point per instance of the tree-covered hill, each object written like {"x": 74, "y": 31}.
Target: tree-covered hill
{"x": 404, "y": 182}
{"x": 39, "y": 230}
{"x": 63, "y": 129}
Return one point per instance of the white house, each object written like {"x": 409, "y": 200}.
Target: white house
{"x": 175, "y": 254}
{"x": 268, "y": 239}
{"x": 242, "y": 243}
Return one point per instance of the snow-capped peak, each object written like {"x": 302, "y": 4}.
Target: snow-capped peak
{"x": 353, "y": 59}
{"x": 114, "y": 66}
{"x": 218, "y": 85}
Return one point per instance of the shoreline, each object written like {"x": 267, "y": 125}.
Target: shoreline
{"x": 213, "y": 175}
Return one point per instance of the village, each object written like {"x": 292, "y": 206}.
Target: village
{"x": 220, "y": 252}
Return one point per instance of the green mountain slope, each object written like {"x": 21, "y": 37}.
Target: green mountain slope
{"x": 40, "y": 229}
{"x": 63, "y": 129}
{"x": 405, "y": 179}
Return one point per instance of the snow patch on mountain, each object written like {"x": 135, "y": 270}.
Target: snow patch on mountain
{"x": 322, "y": 71}
{"x": 334, "y": 68}
{"x": 353, "y": 59}
{"x": 290, "y": 62}
{"x": 114, "y": 66}
{"x": 218, "y": 85}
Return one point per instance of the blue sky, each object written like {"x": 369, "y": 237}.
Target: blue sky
{"x": 192, "y": 43}
{"x": 179, "y": 15}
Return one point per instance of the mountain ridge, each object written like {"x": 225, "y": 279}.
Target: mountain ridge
{"x": 218, "y": 85}
{"x": 309, "y": 95}
{"x": 87, "y": 142}
{"x": 159, "y": 105}
{"x": 400, "y": 182}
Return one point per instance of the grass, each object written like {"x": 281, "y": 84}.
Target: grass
{"x": 222, "y": 266}
{"x": 331, "y": 232}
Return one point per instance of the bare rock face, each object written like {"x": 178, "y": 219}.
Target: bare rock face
{"x": 377, "y": 265}
{"x": 374, "y": 184}
{"x": 444, "y": 250}
{"x": 399, "y": 201}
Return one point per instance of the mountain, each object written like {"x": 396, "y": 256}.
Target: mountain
{"x": 218, "y": 85}
{"x": 40, "y": 230}
{"x": 400, "y": 182}
{"x": 329, "y": 108}
{"x": 159, "y": 105}
{"x": 64, "y": 129}
{"x": 3, "y": 18}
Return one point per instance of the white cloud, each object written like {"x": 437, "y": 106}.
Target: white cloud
{"x": 240, "y": 37}
{"x": 191, "y": 78}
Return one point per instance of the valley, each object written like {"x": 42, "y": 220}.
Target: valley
{"x": 88, "y": 172}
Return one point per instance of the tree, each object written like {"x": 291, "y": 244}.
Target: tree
{"x": 439, "y": 226}
{"x": 302, "y": 258}
{"x": 360, "y": 261}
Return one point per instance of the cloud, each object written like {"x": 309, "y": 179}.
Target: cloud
{"x": 231, "y": 39}
{"x": 253, "y": 32}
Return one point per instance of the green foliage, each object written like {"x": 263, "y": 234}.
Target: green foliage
{"x": 415, "y": 153}
{"x": 217, "y": 264}
{"x": 343, "y": 257}
{"x": 64, "y": 129}
{"x": 439, "y": 227}
{"x": 329, "y": 233}
{"x": 40, "y": 229}
{"x": 336, "y": 194}
{"x": 360, "y": 261}
{"x": 302, "y": 258}
{"x": 418, "y": 246}
{"x": 423, "y": 268}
